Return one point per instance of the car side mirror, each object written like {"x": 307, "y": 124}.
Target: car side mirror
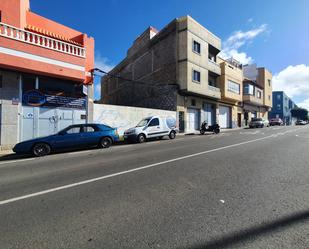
{"x": 61, "y": 133}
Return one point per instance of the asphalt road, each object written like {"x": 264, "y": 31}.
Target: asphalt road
{"x": 239, "y": 189}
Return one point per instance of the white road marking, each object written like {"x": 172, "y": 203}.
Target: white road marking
{"x": 222, "y": 201}
{"x": 17, "y": 161}
{"x": 128, "y": 171}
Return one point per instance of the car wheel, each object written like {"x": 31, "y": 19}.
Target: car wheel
{"x": 141, "y": 138}
{"x": 105, "y": 142}
{"x": 172, "y": 135}
{"x": 41, "y": 149}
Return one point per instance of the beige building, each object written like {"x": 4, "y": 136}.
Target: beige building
{"x": 257, "y": 92}
{"x": 178, "y": 69}
{"x": 231, "y": 85}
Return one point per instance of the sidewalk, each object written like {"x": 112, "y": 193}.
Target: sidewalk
{"x": 5, "y": 152}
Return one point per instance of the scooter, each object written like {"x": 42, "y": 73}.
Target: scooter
{"x": 209, "y": 128}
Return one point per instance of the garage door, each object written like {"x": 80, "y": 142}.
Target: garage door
{"x": 209, "y": 114}
{"x": 192, "y": 120}
{"x": 224, "y": 117}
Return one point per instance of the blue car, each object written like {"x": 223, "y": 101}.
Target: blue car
{"x": 72, "y": 137}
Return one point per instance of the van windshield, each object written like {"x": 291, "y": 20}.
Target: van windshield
{"x": 143, "y": 122}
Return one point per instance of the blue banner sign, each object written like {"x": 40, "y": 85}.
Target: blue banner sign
{"x": 38, "y": 99}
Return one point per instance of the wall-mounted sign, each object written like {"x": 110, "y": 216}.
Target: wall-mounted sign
{"x": 34, "y": 98}
{"x": 85, "y": 90}
{"x": 67, "y": 102}
{"x": 15, "y": 101}
{"x": 38, "y": 99}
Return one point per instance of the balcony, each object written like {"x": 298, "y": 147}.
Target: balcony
{"x": 21, "y": 35}
{"x": 214, "y": 92}
{"x": 250, "y": 99}
{"x": 214, "y": 67}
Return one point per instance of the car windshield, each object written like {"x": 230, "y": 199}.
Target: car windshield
{"x": 256, "y": 119}
{"x": 143, "y": 122}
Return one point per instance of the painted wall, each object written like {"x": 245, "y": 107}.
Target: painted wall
{"x": 125, "y": 117}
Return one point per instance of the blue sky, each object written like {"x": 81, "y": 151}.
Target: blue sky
{"x": 271, "y": 33}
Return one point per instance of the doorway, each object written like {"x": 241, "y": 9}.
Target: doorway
{"x": 239, "y": 119}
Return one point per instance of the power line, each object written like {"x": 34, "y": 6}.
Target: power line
{"x": 133, "y": 81}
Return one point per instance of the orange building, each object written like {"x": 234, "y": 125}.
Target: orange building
{"x": 45, "y": 74}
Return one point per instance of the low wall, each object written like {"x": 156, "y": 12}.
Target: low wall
{"x": 125, "y": 117}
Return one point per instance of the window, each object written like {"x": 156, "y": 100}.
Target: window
{"x": 193, "y": 102}
{"x": 73, "y": 130}
{"x": 0, "y": 16}
{"x": 1, "y": 80}
{"x": 248, "y": 89}
{"x": 278, "y": 107}
{"x": 212, "y": 80}
{"x": 196, "y": 47}
{"x": 196, "y": 76}
{"x": 89, "y": 129}
{"x": 278, "y": 97}
{"x": 53, "y": 86}
{"x": 154, "y": 122}
{"x": 28, "y": 82}
{"x": 269, "y": 97}
{"x": 143, "y": 122}
{"x": 269, "y": 82}
{"x": 259, "y": 94}
{"x": 233, "y": 87}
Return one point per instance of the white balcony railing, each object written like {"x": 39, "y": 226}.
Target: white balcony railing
{"x": 40, "y": 40}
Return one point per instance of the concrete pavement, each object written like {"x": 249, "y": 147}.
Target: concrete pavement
{"x": 241, "y": 189}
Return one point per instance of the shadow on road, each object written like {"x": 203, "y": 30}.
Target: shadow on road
{"x": 14, "y": 156}
{"x": 253, "y": 232}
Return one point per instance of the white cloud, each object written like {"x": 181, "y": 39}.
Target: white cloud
{"x": 237, "y": 40}
{"x": 250, "y": 20}
{"x": 304, "y": 104}
{"x": 102, "y": 63}
{"x": 293, "y": 80}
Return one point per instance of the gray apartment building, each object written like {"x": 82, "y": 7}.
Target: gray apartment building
{"x": 178, "y": 69}
{"x": 174, "y": 69}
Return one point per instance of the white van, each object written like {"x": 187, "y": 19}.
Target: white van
{"x": 151, "y": 127}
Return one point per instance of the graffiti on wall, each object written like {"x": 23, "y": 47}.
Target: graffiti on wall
{"x": 123, "y": 117}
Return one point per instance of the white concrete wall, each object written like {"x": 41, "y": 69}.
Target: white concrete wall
{"x": 124, "y": 117}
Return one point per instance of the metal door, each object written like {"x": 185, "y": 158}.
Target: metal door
{"x": 28, "y": 124}
{"x": 48, "y": 121}
{"x": 209, "y": 114}
{"x": 192, "y": 120}
{"x": 224, "y": 117}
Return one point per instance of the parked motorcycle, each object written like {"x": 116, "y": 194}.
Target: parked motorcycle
{"x": 209, "y": 128}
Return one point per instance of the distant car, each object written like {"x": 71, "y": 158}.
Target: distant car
{"x": 301, "y": 122}
{"x": 72, "y": 137}
{"x": 258, "y": 123}
{"x": 151, "y": 127}
{"x": 276, "y": 121}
